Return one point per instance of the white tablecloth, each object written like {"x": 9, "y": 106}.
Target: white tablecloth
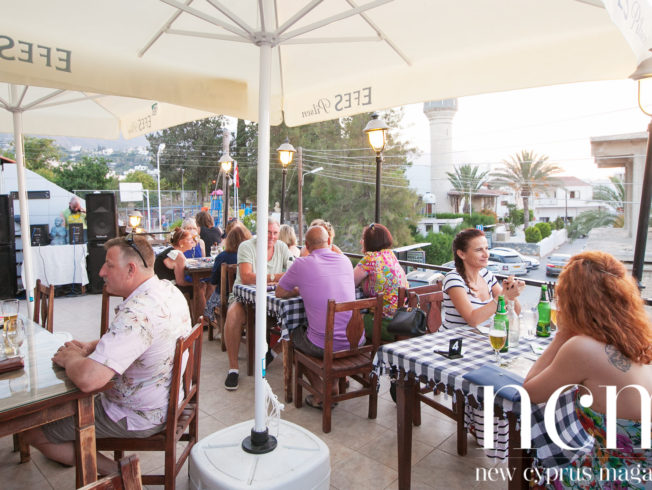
{"x": 59, "y": 264}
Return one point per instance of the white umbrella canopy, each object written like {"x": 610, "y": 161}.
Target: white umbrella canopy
{"x": 306, "y": 61}
{"x": 334, "y": 60}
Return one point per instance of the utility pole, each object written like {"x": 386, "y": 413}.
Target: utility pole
{"x": 300, "y": 189}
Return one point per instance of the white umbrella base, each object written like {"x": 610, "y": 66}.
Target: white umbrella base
{"x": 301, "y": 460}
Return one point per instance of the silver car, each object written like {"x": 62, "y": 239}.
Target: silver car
{"x": 530, "y": 262}
{"x": 509, "y": 263}
{"x": 491, "y": 266}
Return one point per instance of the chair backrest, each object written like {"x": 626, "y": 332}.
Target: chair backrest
{"x": 404, "y": 293}
{"x": 44, "y": 305}
{"x": 227, "y": 278}
{"x": 104, "y": 325}
{"x": 127, "y": 479}
{"x": 431, "y": 303}
{"x": 355, "y": 327}
{"x": 185, "y": 375}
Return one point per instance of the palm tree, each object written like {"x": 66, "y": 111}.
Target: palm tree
{"x": 526, "y": 172}
{"x": 467, "y": 179}
{"x": 612, "y": 195}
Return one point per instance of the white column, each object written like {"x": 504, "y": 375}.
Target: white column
{"x": 440, "y": 114}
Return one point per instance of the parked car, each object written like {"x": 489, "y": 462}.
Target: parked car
{"x": 424, "y": 278}
{"x": 510, "y": 263}
{"x": 530, "y": 262}
{"x": 556, "y": 263}
{"x": 491, "y": 266}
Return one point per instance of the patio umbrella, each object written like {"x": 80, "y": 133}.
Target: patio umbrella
{"x": 47, "y": 111}
{"x": 306, "y": 61}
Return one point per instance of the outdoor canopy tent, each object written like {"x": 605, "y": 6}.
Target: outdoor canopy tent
{"x": 306, "y": 61}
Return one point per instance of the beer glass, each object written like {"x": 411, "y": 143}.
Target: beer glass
{"x": 497, "y": 338}
{"x": 14, "y": 338}
{"x": 215, "y": 250}
{"x": 553, "y": 315}
{"x": 10, "y": 313}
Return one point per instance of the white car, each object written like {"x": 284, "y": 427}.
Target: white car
{"x": 424, "y": 278}
{"x": 509, "y": 263}
{"x": 491, "y": 266}
{"x": 530, "y": 262}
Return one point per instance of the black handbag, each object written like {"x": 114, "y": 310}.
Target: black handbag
{"x": 408, "y": 322}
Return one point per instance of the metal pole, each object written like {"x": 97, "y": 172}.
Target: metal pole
{"x": 285, "y": 174}
{"x": 226, "y": 199}
{"x": 158, "y": 186}
{"x": 300, "y": 196}
{"x": 379, "y": 162}
{"x": 566, "y": 207}
{"x": 149, "y": 212}
{"x": 183, "y": 197}
{"x": 643, "y": 214}
{"x": 28, "y": 280}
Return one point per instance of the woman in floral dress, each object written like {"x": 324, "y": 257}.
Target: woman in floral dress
{"x": 604, "y": 339}
{"x": 379, "y": 273}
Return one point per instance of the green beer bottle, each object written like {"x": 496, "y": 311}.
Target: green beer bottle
{"x": 543, "y": 324}
{"x": 501, "y": 317}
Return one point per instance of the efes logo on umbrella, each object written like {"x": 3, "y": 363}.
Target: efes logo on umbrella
{"x": 35, "y": 53}
{"x": 338, "y": 103}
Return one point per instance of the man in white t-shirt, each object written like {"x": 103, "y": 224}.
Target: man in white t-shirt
{"x": 277, "y": 258}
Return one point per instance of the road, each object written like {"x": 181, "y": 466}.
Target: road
{"x": 530, "y": 297}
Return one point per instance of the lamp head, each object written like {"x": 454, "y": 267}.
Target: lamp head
{"x": 286, "y": 153}
{"x": 135, "y": 218}
{"x": 226, "y": 162}
{"x": 376, "y": 130}
{"x": 161, "y": 147}
{"x": 643, "y": 76}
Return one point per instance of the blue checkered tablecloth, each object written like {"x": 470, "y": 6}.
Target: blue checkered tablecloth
{"x": 417, "y": 356}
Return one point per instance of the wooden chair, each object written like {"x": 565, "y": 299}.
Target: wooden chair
{"x": 404, "y": 293}
{"x": 44, "y": 305}
{"x": 431, "y": 304}
{"x": 356, "y": 362}
{"x": 182, "y": 415}
{"x": 105, "y": 320}
{"x": 128, "y": 477}
{"x": 227, "y": 278}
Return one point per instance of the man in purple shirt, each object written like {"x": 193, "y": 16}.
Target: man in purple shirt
{"x": 320, "y": 276}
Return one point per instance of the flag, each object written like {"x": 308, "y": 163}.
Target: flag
{"x": 236, "y": 174}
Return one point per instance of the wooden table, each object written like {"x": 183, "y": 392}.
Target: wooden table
{"x": 42, "y": 393}
{"x": 198, "y": 269}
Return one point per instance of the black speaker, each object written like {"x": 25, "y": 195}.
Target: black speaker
{"x": 6, "y": 220}
{"x": 101, "y": 216}
{"x": 95, "y": 261}
{"x": 39, "y": 235}
{"x": 8, "y": 285}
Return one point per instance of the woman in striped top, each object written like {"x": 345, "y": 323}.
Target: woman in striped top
{"x": 471, "y": 291}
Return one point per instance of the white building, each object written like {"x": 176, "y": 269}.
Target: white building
{"x": 573, "y": 197}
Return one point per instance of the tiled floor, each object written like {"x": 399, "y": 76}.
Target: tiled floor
{"x": 362, "y": 451}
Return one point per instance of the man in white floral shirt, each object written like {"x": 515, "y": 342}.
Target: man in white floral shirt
{"x": 137, "y": 353}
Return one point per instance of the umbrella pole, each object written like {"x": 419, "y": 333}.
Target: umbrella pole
{"x": 28, "y": 282}
{"x": 260, "y": 441}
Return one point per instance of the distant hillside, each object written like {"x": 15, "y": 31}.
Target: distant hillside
{"x": 87, "y": 143}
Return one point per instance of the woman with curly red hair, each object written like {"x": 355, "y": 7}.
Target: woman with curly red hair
{"x": 604, "y": 338}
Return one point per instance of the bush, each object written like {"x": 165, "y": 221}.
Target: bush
{"x": 544, "y": 228}
{"x": 489, "y": 212}
{"x": 516, "y": 215}
{"x": 250, "y": 222}
{"x": 558, "y": 224}
{"x": 532, "y": 235}
{"x": 441, "y": 250}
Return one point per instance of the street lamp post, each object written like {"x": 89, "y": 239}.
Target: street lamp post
{"x": 643, "y": 71}
{"x": 226, "y": 162}
{"x": 285, "y": 154}
{"x": 303, "y": 176}
{"x": 161, "y": 147}
{"x": 376, "y": 130}
{"x": 183, "y": 197}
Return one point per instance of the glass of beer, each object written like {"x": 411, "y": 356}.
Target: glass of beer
{"x": 497, "y": 338}
{"x": 553, "y": 315}
{"x": 10, "y": 313}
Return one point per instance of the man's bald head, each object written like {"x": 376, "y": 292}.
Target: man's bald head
{"x": 316, "y": 237}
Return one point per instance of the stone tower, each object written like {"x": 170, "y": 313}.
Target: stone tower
{"x": 440, "y": 113}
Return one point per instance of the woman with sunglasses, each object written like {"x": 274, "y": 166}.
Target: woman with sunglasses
{"x": 379, "y": 273}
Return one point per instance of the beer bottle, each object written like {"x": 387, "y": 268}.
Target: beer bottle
{"x": 501, "y": 317}
{"x": 543, "y": 323}
{"x": 514, "y": 324}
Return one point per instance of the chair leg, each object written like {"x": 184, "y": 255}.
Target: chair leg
{"x": 211, "y": 327}
{"x": 298, "y": 389}
{"x": 326, "y": 396}
{"x": 373, "y": 397}
{"x": 287, "y": 370}
{"x": 416, "y": 406}
{"x": 22, "y": 447}
{"x": 118, "y": 455}
{"x": 170, "y": 466}
{"x": 221, "y": 331}
{"x": 342, "y": 386}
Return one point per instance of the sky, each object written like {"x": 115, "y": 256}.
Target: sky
{"x": 556, "y": 121}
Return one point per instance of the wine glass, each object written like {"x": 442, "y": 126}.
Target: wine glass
{"x": 15, "y": 337}
{"x": 215, "y": 250}
{"x": 497, "y": 338}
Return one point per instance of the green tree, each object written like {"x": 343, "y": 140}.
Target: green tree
{"x": 88, "y": 173}
{"x": 586, "y": 221}
{"x": 40, "y": 154}
{"x": 441, "y": 249}
{"x": 196, "y": 146}
{"x": 532, "y": 234}
{"x": 526, "y": 172}
{"x": 467, "y": 179}
{"x": 144, "y": 178}
{"x": 612, "y": 195}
